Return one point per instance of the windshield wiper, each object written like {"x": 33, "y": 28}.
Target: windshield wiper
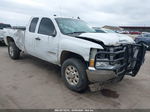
{"x": 75, "y": 32}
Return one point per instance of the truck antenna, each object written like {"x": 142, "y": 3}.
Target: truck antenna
{"x": 78, "y": 17}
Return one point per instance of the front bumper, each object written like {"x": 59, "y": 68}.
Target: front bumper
{"x": 99, "y": 75}
{"x": 123, "y": 60}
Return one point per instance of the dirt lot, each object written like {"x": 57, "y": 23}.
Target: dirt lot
{"x": 31, "y": 83}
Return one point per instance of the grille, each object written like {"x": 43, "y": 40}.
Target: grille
{"x": 114, "y": 54}
{"x": 120, "y": 57}
{"x": 123, "y": 59}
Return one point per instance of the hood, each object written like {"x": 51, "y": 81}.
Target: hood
{"x": 109, "y": 38}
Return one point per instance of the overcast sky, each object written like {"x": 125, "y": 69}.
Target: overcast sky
{"x": 95, "y": 12}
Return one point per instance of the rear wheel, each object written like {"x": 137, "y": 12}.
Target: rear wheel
{"x": 13, "y": 51}
{"x": 74, "y": 75}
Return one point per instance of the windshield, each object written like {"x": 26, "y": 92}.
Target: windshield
{"x": 71, "y": 26}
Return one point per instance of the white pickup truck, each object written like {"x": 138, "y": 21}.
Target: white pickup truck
{"x": 84, "y": 56}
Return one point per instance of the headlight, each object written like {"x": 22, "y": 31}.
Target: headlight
{"x": 92, "y": 57}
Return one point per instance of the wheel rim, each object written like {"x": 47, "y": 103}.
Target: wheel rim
{"x": 72, "y": 75}
{"x": 11, "y": 51}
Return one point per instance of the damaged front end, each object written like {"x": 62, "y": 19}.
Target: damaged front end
{"x": 123, "y": 60}
{"x": 116, "y": 61}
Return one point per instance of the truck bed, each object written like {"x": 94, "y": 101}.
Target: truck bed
{"x": 18, "y": 34}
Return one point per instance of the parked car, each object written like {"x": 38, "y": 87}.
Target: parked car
{"x": 98, "y": 30}
{"x": 144, "y": 38}
{"x": 124, "y": 32}
{"x": 84, "y": 56}
{"x": 2, "y": 26}
{"x": 103, "y": 30}
{"x": 135, "y": 33}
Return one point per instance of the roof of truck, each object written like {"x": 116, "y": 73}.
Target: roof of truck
{"x": 54, "y": 17}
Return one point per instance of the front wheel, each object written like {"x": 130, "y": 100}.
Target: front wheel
{"x": 13, "y": 51}
{"x": 74, "y": 75}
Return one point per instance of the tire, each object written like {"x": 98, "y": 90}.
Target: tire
{"x": 13, "y": 51}
{"x": 79, "y": 85}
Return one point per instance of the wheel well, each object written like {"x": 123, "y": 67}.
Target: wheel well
{"x": 9, "y": 39}
{"x": 66, "y": 55}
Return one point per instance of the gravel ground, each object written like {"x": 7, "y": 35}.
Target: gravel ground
{"x": 30, "y": 83}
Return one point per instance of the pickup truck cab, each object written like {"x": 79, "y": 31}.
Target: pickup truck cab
{"x": 84, "y": 56}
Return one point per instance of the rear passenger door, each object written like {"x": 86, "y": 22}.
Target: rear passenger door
{"x": 31, "y": 35}
{"x": 45, "y": 40}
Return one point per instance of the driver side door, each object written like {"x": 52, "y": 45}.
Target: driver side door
{"x": 46, "y": 41}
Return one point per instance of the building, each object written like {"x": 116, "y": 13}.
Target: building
{"x": 136, "y": 28}
{"x": 114, "y": 28}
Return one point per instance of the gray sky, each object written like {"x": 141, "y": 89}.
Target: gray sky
{"x": 95, "y": 12}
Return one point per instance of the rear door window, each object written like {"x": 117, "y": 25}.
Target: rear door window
{"x": 33, "y": 25}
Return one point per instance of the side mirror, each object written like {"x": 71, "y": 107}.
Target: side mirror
{"x": 54, "y": 33}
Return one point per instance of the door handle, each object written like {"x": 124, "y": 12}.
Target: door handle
{"x": 37, "y": 38}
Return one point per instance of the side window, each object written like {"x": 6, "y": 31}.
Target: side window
{"x": 46, "y": 27}
{"x": 33, "y": 24}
